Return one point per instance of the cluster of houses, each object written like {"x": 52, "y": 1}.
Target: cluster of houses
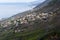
{"x": 25, "y": 19}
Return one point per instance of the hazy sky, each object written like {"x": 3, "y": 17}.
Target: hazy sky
{"x": 4, "y": 1}
{"x": 12, "y": 7}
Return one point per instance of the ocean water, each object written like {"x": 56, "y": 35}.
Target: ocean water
{"x": 10, "y": 9}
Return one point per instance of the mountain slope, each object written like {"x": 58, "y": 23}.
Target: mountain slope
{"x": 40, "y": 28}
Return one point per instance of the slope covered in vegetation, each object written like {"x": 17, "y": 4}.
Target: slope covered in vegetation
{"x": 39, "y": 29}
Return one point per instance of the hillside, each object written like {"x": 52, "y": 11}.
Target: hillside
{"x": 45, "y": 20}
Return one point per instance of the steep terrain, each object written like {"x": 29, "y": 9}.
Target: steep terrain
{"x": 39, "y": 29}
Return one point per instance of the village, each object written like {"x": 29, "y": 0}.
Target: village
{"x": 26, "y": 19}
